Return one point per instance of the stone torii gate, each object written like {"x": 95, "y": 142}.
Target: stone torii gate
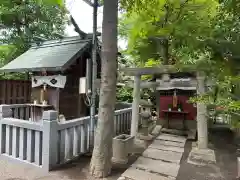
{"x": 137, "y": 86}
{"x": 202, "y": 127}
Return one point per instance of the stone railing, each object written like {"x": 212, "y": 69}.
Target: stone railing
{"x": 47, "y": 144}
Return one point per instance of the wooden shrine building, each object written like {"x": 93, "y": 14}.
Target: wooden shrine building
{"x": 56, "y": 68}
{"x": 173, "y": 93}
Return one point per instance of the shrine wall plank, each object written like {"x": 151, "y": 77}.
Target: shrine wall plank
{"x": 15, "y": 91}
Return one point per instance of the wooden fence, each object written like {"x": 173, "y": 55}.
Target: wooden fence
{"x": 47, "y": 144}
{"x": 15, "y": 91}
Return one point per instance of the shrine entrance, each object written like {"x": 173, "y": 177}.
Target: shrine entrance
{"x": 175, "y": 109}
{"x": 172, "y": 94}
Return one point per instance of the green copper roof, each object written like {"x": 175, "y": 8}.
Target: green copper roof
{"x": 55, "y": 55}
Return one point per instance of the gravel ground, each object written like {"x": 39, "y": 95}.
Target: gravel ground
{"x": 221, "y": 141}
{"x": 74, "y": 171}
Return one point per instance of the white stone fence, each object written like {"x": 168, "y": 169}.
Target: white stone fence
{"x": 48, "y": 144}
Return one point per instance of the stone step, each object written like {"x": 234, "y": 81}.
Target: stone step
{"x": 174, "y": 131}
{"x": 157, "y": 166}
{"x": 137, "y": 174}
{"x": 173, "y": 135}
{"x": 169, "y": 143}
{"x": 155, "y": 145}
{"x": 168, "y": 156}
{"x": 169, "y": 137}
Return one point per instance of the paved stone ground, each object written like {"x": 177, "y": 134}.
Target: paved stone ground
{"x": 160, "y": 161}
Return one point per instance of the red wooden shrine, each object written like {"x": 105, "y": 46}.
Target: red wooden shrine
{"x": 174, "y": 93}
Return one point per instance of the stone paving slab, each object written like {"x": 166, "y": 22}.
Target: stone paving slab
{"x": 169, "y": 143}
{"x": 173, "y": 135}
{"x": 137, "y": 174}
{"x": 156, "y": 145}
{"x": 168, "y": 156}
{"x": 169, "y": 137}
{"x": 174, "y": 131}
{"x": 157, "y": 166}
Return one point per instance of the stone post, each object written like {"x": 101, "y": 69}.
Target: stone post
{"x": 122, "y": 146}
{"x": 202, "y": 122}
{"x": 5, "y": 112}
{"x": 238, "y": 167}
{"x": 135, "y": 106}
{"x": 50, "y": 135}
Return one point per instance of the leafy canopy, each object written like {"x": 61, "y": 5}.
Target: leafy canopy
{"x": 182, "y": 22}
{"x": 201, "y": 33}
{"x": 27, "y": 22}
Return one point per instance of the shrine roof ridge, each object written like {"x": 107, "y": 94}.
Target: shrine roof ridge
{"x": 52, "y": 55}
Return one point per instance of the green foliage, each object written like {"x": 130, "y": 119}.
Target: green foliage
{"x": 52, "y": 2}
{"x": 182, "y": 22}
{"x": 150, "y": 63}
{"x": 124, "y": 94}
{"x": 235, "y": 120}
{"x": 25, "y": 21}
{"x": 6, "y": 52}
{"x": 201, "y": 33}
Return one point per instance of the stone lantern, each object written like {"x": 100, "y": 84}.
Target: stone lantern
{"x": 145, "y": 117}
{"x": 146, "y": 106}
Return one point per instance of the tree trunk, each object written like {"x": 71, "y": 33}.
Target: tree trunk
{"x": 101, "y": 158}
{"x": 202, "y": 122}
{"x": 165, "y": 51}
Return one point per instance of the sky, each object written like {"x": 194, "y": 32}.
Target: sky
{"x": 83, "y": 15}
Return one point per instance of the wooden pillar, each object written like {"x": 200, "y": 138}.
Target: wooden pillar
{"x": 202, "y": 124}
{"x": 135, "y": 106}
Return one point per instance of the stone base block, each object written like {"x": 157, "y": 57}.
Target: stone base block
{"x": 238, "y": 166}
{"x": 138, "y": 143}
{"x": 156, "y": 131}
{"x": 119, "y": 161}
{"x": 151, "y": 126}
{"x": 201, "y": 157}
{"x": 192, "y": 134}
{"x": 145, "y": 138}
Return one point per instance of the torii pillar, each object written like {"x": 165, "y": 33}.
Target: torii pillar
{"x": 135, "y": 105}
{"x": 202, "y": 122}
